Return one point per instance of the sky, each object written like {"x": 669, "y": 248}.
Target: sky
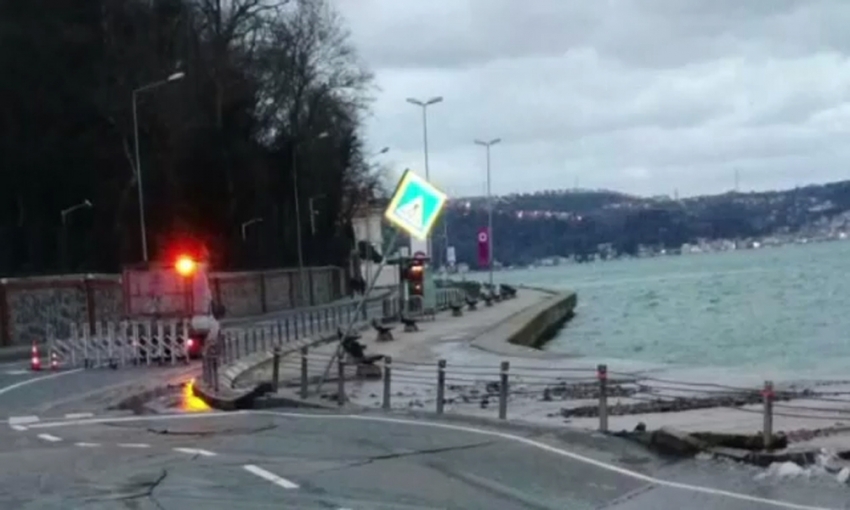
{"x": 650, "y": 97}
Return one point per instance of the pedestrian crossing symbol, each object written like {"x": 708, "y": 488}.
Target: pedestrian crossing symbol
{"x": 415, "y": 205}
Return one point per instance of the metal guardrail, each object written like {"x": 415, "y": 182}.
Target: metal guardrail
{"x": 307, "y": 328}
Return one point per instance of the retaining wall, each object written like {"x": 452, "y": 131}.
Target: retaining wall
{"x": 541, "y": 322}
{"x": 29, "y": 305}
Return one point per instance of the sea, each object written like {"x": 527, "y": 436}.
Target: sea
{"x": 780, "y": 308}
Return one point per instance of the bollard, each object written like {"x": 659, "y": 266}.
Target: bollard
{"x": 602, "y": 375}
{"x": 275, "y": 369}
{"x": 215, "y": 373}
{"x": 388, "y": 373}
{"x": 286, "y": 328}
{"x": 340, "y": 383}
{"x": 441, "y": 385}
{"x": 503, "y": 390}
{"x": 304, "y": 381}
{"x": 767, "y": 395}
{"x": 279, "y": 339}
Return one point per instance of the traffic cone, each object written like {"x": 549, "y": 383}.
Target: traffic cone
{"x": 54, "y": 361}
{"x": 35, "y": 362}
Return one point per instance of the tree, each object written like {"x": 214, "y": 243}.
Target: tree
{"x": 217, "y": 147}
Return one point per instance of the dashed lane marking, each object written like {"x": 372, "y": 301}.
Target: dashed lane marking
{"x": 457, "y": 428}
{"x": 20, "y": 423}
{"x": 195, "y": 451}
{"x": 49, "y": 437}
{"x": 87, "y": 445}
{"x": 133, "y": 445}
{"x": 269, "y": 476}
{"x": 78, "y": 416}
{"x": 17, "y": 372}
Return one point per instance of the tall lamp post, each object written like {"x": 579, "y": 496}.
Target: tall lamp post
{"x": 85, "y": 204}
{"x": 174, "y": 77}
{"x": 323, "y": 134}
{"x": 424, "y": 106}
{"x": 487, "y": 145}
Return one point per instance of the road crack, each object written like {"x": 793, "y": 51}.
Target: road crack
{"x": 412, "y": 453}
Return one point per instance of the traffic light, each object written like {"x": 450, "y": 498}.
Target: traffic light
{"x": 185, "y": 266}
{"x": 415, "y": 273}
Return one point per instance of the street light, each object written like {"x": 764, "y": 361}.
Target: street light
{"x": 247, "y": 224}
{"x": 424, "y": 105}
{"x": 313, "y": 214}
{"x": 320, "y": 136}
{"x": 487, "y": 146}
{"x": 65, "y": 212}
{"x": 85, "y": 204}
{"x": 171, "y": 78}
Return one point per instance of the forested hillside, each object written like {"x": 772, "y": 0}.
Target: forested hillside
{"x": 232, "y": 97}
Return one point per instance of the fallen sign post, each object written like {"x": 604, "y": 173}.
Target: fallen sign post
{"x": 414, "y": 208}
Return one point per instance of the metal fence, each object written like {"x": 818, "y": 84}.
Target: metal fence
{"x": 115, "y": 344}
{"x": 593, "y": 394}
{"x": 312, "y": 327}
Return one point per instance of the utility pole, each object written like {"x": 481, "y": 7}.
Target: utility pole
{"x": 487, "y": 146}
{"x": 424, "y": 106}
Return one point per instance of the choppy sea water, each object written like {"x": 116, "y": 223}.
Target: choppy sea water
{"x": 785, "y": 308}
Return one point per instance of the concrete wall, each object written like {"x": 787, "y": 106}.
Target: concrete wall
{"x": 540, "y": 323}
{"x": 28, "y": 305}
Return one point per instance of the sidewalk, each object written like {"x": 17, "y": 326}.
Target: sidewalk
{"x": 424, "y": 347}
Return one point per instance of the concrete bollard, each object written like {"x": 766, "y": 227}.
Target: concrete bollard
{"x": 768, "y": 396}
{"x": 304, "y": 380}
{"x": 276, "y": 369}
{"x": 441, "y": 385}
{"x": 503, "y": 390}
{"x": 388, "y": 374}
{"x": 340, "y": 383}
{"x": 602, "y": 375}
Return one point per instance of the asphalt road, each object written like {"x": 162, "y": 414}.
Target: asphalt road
{"x": 321, "y": 461}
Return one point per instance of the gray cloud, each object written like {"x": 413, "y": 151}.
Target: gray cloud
{"x": 643, "y": 96}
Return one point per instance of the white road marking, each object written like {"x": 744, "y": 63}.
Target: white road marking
{"x": 561, "y": 452}
{"x": 459, "y": 428}
{"x": 130, "y": 419}
{"x": 78, "y": 416}
{"x": 87, "y": 445}
{"x": 19, "y": 428}
{"x": 268, "y": 475}
{"x": 22, "y": 420}
{"x": 49, "y": 437}
{"x": 195, "y": 451}
{"x": 133, "y": 445}
{"x": 7, "y": 389}
{"x": 16, "y": 372}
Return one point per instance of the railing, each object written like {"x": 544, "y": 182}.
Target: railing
{"x": 588, "y": 393}
{"x": 306, "y": 329}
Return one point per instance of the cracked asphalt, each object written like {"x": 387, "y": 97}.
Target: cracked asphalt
{"x": 264, "y": 460}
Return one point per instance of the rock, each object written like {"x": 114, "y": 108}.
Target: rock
{"x": 843, "y": 476}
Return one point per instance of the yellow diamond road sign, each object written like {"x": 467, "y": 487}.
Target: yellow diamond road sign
{"x": 415, "y": 205}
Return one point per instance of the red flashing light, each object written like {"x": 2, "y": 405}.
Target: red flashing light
{"x": 185, "y": 266}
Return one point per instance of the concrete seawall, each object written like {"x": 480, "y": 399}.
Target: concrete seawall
{"x": 543, "y": 321}
{"x": 529, "y": 329}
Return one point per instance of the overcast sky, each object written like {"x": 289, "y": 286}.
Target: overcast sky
{"x": 641, "y": 96}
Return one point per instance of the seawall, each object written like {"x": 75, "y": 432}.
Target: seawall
{"x": 525, "y": 332}
{"x": 29, "y": 305}
{"x": 543, "y": 321}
